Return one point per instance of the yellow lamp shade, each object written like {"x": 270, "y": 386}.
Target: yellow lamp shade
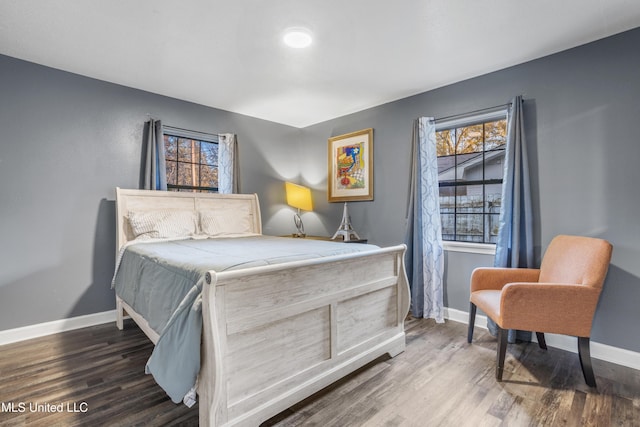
{"x": 298, "y": 196}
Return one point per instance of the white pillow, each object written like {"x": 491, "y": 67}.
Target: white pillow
{"x": 226, "y": 222}
{"x": 163, "y": 223}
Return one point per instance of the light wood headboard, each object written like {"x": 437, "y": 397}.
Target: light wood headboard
{"x": 149, "y": 200}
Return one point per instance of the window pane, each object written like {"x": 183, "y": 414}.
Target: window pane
{"x": 448, "y": 226}
{"x": 491, "y": 228}
{"x": 209, "y": 153}
{"x": 208, "y": 176}
{"x": 494, "y": 164}
{"x": 188, "y": 150}
{"x": 444, "y": 143}
{"x": 469, "y": 139}
{"x": 186, "y": 175}
{"x": 469, "y": 227}
{"x": 495, "y": 134}
{"x": 184, "y": 150}
{"x": 447, "y": 199}
{"x": 172, "y": 172}
{"x": 469, "y": 166}
{"x": 446, "y": 168}
{"x": 493, "y": 198}
{"x": 170, "y": 150}
{"x": 469, "y": 198}
{"x": 195, "y": 150}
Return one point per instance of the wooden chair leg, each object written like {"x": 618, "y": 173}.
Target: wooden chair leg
{"x": 541, "y": 342}
{"x": 585, "y": 361}
{"x": 502, "y": 351}
{"x": 472, "y": 321}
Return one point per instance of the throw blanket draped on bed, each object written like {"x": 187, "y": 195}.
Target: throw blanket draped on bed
{"x": 162, "y": 281}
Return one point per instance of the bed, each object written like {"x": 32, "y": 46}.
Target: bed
{"x": 271, "y": 332}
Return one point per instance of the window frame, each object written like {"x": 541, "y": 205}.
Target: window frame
{"x": 499, "y": 113}
{"x": 195, "y": 136}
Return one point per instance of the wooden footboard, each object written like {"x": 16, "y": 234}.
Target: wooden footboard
{"x": 275, "y": 335}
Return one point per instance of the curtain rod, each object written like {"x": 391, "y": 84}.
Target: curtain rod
{"x": 188, "y": 130}
{"x": 470, "y": 113}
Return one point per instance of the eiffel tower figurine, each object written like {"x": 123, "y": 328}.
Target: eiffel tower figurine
{"x": 345, "y": 230}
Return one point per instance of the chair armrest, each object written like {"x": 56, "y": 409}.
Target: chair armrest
{"x": 494, "y": 278}
{"x": 549, "y": 307}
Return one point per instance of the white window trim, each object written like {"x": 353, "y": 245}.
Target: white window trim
{"x": 469, "y": 247}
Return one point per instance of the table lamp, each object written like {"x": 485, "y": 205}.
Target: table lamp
{"x": 298, "y": 197}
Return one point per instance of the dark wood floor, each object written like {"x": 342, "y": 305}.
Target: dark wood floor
{"x": 96, "y": 376}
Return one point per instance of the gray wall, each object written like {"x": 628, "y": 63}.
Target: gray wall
{"x": 67, "y": 141}
{"x": 582, "y": 108}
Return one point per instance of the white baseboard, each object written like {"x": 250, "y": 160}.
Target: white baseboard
{"x": 605, "y": 352}
{"x": 48, "y": 328}
{"x": 600, "y": 351}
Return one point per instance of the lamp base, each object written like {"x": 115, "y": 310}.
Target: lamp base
{"x": 299, "y": 225}
{"x": 345, "y": 229}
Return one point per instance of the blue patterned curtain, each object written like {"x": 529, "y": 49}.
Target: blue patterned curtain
{"x": 425, "y": 255}
{"x": 514, "y": 247}
{"x": 155, "y": 173}
{"x": 228, "y": 179}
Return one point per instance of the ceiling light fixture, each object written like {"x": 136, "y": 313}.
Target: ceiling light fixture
{"x": 297, "y": 38}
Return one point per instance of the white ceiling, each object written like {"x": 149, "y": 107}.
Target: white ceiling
{"x": 229, "y": 54}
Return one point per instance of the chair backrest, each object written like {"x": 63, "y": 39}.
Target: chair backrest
{"x": 577, "y": 260}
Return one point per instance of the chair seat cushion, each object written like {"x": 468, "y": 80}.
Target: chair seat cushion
{"x": 489, "y": 302}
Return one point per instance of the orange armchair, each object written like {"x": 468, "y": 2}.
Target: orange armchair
{"x": 560, "y": 297}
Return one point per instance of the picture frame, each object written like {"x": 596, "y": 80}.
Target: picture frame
{"x": 350, "y": 167}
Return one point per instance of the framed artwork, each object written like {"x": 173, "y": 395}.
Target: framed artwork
{"x": 351, "y": 167}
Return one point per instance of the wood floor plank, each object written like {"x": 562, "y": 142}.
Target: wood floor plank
{"x": 623, "y": 413}
{"x": 440, "y": 380}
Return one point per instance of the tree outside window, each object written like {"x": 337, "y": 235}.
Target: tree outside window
{"x": 192, "y": 164}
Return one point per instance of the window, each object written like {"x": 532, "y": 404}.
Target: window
{"x": 192, "y": 161}
{"x": 470, "y": 167}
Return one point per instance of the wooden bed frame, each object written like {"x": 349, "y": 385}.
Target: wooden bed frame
{"x": 274, "y": 335}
